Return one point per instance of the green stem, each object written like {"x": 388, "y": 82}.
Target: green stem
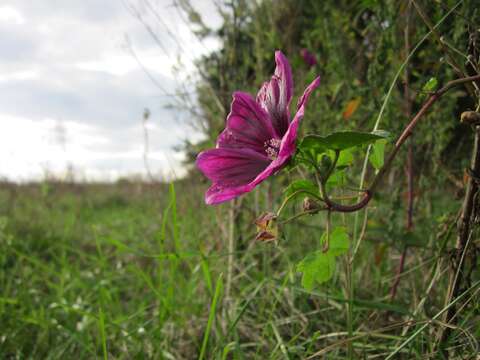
{"x": 303, "y": 213}
{"x": 326, "y": 245}
{"x": 350, "y": 305}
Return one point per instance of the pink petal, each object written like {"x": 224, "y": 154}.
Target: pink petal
{"x": 284, "y": 73}
{"x": 287, "y": 147}
{"x": 221, "y": 191}
{"x": 275, "y": 95}
{"x": 231, "y": 167}
{"x": 248, "y": 125}
{"x": 217, "y": 194}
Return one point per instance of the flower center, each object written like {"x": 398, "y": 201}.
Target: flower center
{"x": 272, "y": 147}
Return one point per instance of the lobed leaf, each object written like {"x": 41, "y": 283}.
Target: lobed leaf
{"x": 316, "y": 267}
{"x": 339, "y": 241}
{"x": 319, "y": 266}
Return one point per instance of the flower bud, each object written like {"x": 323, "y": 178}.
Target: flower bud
{"x": 310, "y": 205}
{"x": 325, "y": 164}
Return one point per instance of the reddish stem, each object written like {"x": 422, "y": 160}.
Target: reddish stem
{"x": 333, "y": 206}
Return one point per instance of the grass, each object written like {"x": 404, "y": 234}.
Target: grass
{"x": 132, "y": 270}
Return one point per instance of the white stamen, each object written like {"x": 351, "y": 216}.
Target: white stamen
{"x": 272, "y": 147}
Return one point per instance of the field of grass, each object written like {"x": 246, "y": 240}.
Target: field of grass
{"x": 127, "y": 271}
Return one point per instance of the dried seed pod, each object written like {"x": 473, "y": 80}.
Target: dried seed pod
{"x": 267, "y": 229}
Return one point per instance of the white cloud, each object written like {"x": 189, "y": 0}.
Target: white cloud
{"x": 11, "y": 15}
{"x": 32, "y": 148}
{"x": 70, "y": 65}
{"x": 119, "y": 64}
{"x": 18, "y": 75}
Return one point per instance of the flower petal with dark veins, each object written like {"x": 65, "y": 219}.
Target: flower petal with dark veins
{"x": 231, "y": 166}
{"x": 276, "y": 94}
{"x": 248, "y": 125}
{"x": 287, "y": 147}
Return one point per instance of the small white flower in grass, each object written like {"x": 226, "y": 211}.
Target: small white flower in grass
{"x": 81, "y": 325}
{"x": 88, "y": 274}
{"x": 78, "y": 303}
{"x": 141, "y": 330}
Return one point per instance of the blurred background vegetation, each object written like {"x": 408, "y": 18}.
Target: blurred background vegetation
{"x": 146, "y": 270}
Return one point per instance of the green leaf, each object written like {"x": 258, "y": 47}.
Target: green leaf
{"x": 383, "y": 133}
{"x": 345, "y": 158}
{"x": 316, "y": 267}
{"x": 339, "y": 241}
{"x": 430, "y": 85}
{"x": 302, "y": 186}
{"x": 319, "y": 266}
{"x": 339, "y": 140}
{"x": 378, "y": 153}
{"x": 336, "y": 179}
{"x": 310, "y": 145}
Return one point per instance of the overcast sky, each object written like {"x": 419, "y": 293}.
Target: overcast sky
{"x": 71, "y": 92}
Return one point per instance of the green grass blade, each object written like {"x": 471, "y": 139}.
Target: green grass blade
{"x": 101, "y": 326}
{"x": 211, "y": 316}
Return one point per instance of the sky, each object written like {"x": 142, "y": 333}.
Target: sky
{"x": 76, "y": 77}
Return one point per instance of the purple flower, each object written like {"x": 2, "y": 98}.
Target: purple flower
{"x": 308, "y": 57}
{"x": 259, "y": 137}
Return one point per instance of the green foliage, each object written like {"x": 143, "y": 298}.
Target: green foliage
{"x": 318, "y": 153}
{"x": 345, "y": 158}
{"x": 301, "y": 187}
{"x": 319, "y": 266}
{"x": 341, "y": 140}
{"x": 430, "y": 85}
{"x": 377, "y": 154}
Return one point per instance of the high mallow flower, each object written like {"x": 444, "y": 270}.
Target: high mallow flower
{"x": 259, "y": 137}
